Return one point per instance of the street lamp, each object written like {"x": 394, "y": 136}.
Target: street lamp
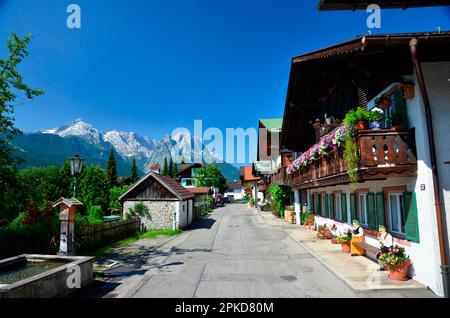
{"x": 76, "y": 164}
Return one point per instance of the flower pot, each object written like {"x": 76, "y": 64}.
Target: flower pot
{"x": 399, "y": 271}
{"x": 345, "y": 247}
{"x": 375, "y": 124}
{"x": 362, "y": 124}
{"x": 334, "y": 240}
{"x": 398, "y": 127}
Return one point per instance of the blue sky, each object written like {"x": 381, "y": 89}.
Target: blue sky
{"x": 150, "y": 66}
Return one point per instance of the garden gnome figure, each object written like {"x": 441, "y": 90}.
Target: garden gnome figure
{"x": 67, "y": 213}
{"x": 386, "y": 243}
{"x": 357, "y": 237}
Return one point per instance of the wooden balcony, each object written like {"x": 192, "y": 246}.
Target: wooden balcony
{"x": 382, "y": 154}
{"x": 280, "y": 177}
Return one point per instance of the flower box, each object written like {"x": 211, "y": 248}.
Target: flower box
{"x": 290, "y": 216}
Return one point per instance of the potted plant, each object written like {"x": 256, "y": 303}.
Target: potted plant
{"x": 383, "y": 102}
{"x": 398, "y": 120}
{"x": 324, "y": 232}
{"x": 376, "y": 119}
{"x": 397, "y": 262}
{"x": 357, "y": 119}
{"x": 344, "y": 240}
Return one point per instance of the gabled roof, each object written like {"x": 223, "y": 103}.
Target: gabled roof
{"x": 170, "y": 184}
{"x": 384, "y": 4}
{"x": 68, "y": 202}
{"x": 199, "y": 190}
{"x": 184, "y": 167}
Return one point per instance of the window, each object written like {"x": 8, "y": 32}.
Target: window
{"x": 396, "y": 213}
{"x": 338, "y": 207}
{"x": 363, "y": 209}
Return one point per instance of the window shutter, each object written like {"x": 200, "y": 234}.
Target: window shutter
{"x": 381, "y": 214}
{"x": 411, "y": 219}
{"x": 318, "y": 205}
{"x": 327, "y": 205}
{"x": 344, "y": 207}
{"x": 332, "y": 216}
{"x": 371, "y": 214}
{"x": 353, "y": 206}
{"x": 311, "y": 202}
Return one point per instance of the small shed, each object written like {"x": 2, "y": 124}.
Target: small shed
{"x": 164, "y": 197}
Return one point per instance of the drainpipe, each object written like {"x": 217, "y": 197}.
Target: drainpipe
{"x": 436, "y": 184}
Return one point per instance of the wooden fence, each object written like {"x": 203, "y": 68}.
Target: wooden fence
{"x": 90, "y": 237}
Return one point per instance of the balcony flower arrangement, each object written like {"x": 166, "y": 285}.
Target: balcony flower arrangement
{"x": 397, "y": 262}
{"x": 327, "y": 144}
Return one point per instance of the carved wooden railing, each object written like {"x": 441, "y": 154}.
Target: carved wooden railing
{"x": 382, "y": 153}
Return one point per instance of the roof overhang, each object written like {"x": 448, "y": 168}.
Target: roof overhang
{"x": 331, "y": 5}
{"x": 367, "y": 62}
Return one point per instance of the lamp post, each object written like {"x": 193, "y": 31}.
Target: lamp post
{"x": 76, "y": 165}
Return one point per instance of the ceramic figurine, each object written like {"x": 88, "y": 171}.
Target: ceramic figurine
{"x": 386, "y": 243}
{"x": 357, "y": 237}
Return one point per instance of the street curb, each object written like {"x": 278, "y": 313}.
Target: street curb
{"x": 327, "y": 266}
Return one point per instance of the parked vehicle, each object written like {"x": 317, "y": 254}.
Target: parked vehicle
{"x": 218, "y": 200}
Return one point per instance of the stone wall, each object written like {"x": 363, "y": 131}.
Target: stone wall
{"x": 160, "y": 213}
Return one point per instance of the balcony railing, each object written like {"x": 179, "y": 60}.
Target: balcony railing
{"x": 382, "y": 154}
{"x": 280, "y": 177}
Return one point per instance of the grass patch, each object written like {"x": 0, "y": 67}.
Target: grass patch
{"x": 141, "y": 235}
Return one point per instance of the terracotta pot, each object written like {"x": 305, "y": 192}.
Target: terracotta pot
{"x": 334, "y": 240}
{"x": 362, "y": 124}
{"x": 398, "y": 127}
{"x": 345, "y": 247}
{"x": 399, "y": 271}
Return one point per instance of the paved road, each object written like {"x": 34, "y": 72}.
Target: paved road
{"x": 234, "y": 253}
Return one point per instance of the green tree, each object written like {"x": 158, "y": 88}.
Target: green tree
{"x": 175, "y": 171}
{"x": 134, "y": 172}
{"x": 210, "y": 176}
{"x": 93, "y": 187}
{"x": 11, "y": 84}
{"x": 111, "y": 170}
{"x": 170, "y": 172}
{"x": 114, "y": 194}
{"x": 165, "y": 169}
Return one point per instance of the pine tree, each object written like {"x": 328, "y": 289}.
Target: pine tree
{"x": 111, "y": 170}
{"x": 134, "y": 172}
{"x": 170, "y": 174}
{"x": 175, "y": 170}
{"x": 165, "y": 169}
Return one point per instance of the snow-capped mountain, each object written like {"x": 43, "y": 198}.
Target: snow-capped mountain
{"x": 129, "y": 145}
{"x": 77, "y": 128}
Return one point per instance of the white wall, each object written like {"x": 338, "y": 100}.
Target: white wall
{"x": 182, "y": 216}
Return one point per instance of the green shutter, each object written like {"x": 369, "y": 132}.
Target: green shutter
{"x": 332, "y": 212}
{"x": 411, "y": 219}
{"x": 371, "y": 214}
{"x": 353, "y": 206}
{"x": 311, "y": 202}
{"x": 381, "y": 214}
{"x": 318, "y": 204}
{"x": 344, "y": 207}
{"x": 327, "y": 205}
